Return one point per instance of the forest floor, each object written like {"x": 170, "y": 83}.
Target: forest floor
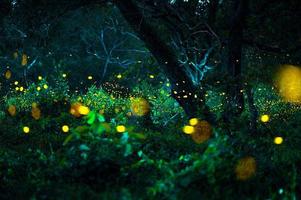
{"x": 57, "y": 146}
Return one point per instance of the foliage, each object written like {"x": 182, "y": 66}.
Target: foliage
{"x": 97, "y": 160}
{"x": 108, "y": 99}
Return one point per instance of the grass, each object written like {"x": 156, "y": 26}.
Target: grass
{"x": 147, "y": 161}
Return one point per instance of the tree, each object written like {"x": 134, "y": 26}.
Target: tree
{"x": 193, "y": 26}
{"x": 190, "y": 37}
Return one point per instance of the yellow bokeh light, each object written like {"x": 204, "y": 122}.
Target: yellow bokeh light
{"x": 265, "y": 118}
{"x": 64, "y": 75}
{"x": 120, "y": 129}
{"x": 17, "y": 88}
{"x": 203, "y": 132}
{"x": 8, "y": 74}
{"x": 12, "y": 110}
{"x": 245, "y": 168}
{"x": 15, "y": 55}
{"x": 65, "y": 129}
{"x": 188, "y": 129}
{"x": 151, "y": 76}
{"x": 40, "y": 78}
{"x": 83, "y": 110}
{"x": 119, "y": 76}
{"x": 74, "y": 110}
{"x": 289, "y": 83}
{"x": 45, "y": 86}
{"x": 21, "y": 88}
{"x": 38, "y": 88}
{"x": 26, "y": 129}
{"x": 35, "y": 111}
{"x": 140, "y": 106}
{"x": 278, "y": 140}
{"x": 24, "y": 60}
{"x": 193, "y": 121}
{"x": 34, "y": 104}
{"x": 90, "y": 77}
{"x": 16, "y": 82}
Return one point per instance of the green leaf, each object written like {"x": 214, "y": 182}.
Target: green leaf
{"x": 125, "y": 137}
{"x": 130, "y": 128}
{"x": 138, "y": 136}
{"x": 84, "y": 147}
{"x": 128, "y": 150}
{"x": 100, "y": 129}
{"x": 100, "y": 118}
{"x": 68, "y": 139}
{"x": 82, "y": 129}
{"x": 140, "y": 153}
{"x": 91, "y": 117}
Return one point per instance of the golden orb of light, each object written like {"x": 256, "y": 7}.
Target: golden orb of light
{"x": 140, "y": 107}
{"x": 203, "y": 132}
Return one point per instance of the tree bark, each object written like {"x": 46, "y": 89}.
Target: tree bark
{"x": 189, "y": 97}
{"x": 183, "y": 90}
{"x": 5, "y": 9}
{"x": 235, "y": 102}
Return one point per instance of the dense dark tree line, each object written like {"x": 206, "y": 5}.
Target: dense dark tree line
{"x": 189, "y": 37}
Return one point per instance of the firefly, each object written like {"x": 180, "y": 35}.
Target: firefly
{"x": 193, "y": 121}
{"x": 120, "y": 129}
{"x": 188, "y": 129}
{"x": 65, "y": 129}
{"x": 26, "y": 129}
{"x": 278, "y": 140}
{"x": 265, "y": 118}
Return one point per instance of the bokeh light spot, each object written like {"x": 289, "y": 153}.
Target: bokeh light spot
{"x": 193, "y": 121}
{"x": 24, "y": 60}
{"x": 35, "y": 111}
{"x": 83, "y": 110}
{"x": 188, "y": 129}
{"x": 203, "y": 132}
{"x": 140, "y": 107}
{"x": 8, "y": 74}
{"x": 65, "y": 129}
{"x": 26, "y": 129}
{"x": 12, "y": 110}
{"x": 245, "y": 168}
{"x": 120, "y": 129}
{"x": 289, "y": 83}
{"x": 278, "y": 140}
{"x": 265, "y": 118}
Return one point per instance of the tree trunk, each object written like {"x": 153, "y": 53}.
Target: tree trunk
{"x": 5, "y": 9}
{"x": 183, "y": 90}
{"x": 235, "y": 102}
